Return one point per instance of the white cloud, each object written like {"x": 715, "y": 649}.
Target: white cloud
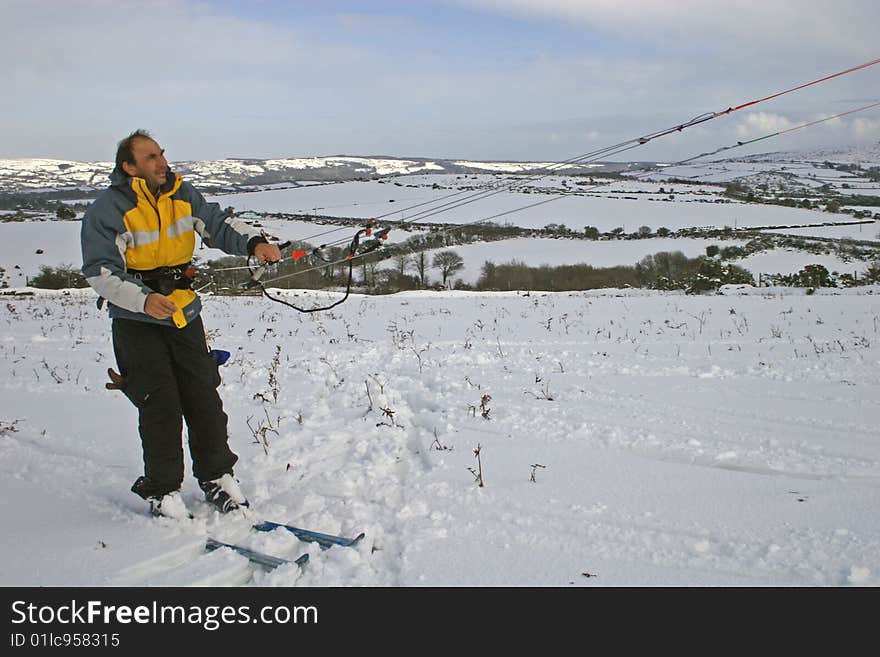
{"x": 758, "y": 124}
{"x": 864, "y": 129}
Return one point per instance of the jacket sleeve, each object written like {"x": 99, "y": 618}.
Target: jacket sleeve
{"x": 218, "y": 227}
{"x": 103, "y": 244}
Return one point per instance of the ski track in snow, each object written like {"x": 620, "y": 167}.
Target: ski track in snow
{"x": 687, "y": 440}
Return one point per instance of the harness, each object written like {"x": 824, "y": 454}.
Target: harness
{"x": 163, "y": 280}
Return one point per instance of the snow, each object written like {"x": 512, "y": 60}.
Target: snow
{"x": 726, "y": 439}
{"x": 20, "y": 241}
{"x": 22, "y": 174}
{"x": 39, "y": 174}
{"x": 785, "y": 261}
{"x": 374, "y": 199}
{"x": 789, "y": 176}
{"x": 852, "y": 231}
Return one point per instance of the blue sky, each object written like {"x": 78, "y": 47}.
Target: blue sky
{"x": 478, "y": 79}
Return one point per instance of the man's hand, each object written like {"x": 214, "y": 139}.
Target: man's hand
{"x": 159, "y": 306}
{"x": 267, "y": 252}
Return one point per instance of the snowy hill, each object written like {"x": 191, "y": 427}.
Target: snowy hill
{"x": 36, "y": 174}
{"x": 626, "y": 438}
{"x": 867, "y": 155}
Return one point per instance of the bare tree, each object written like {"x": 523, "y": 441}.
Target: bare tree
{"x": 402, "y": 262}
{"x": 448, "y": 262}
{"x": 369, "y": 265}
{"x": 421, "y": 264}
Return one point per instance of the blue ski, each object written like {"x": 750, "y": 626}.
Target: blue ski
{"x": 324, "y": 540}
{"x": 253, "y": 556}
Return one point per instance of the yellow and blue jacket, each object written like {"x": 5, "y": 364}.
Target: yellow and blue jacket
{"x": 127, "y": 230}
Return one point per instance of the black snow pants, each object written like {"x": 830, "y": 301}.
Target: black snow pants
{"x": 169, "y": 375}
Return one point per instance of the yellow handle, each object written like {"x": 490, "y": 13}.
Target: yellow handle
{"x": 178, "y": 319}
{"x": 181, "y": 299}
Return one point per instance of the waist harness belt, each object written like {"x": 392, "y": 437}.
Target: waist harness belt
{"x": 165, "y": 280}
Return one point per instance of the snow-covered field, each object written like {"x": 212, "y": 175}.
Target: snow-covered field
{"x": 854, "y": 231}
{"x": 629, "y": 204}
{"x": 59, "y": 244}
{"x": 791, "y": 261}
{"x": 682, "y": 440}
{"x": 674, "y": 440}
{"x": 371, "y": 199}
{"x": 532, "y": 202}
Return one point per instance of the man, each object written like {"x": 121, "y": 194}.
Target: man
{"x": 138, "y": 239}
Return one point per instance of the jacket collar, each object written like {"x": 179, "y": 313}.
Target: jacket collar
{"x": 122, "y": 181}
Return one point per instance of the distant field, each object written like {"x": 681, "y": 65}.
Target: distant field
{"x": 573, "y": 201}
{"x": 373, "y": 199}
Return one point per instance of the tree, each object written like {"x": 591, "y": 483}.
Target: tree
{"x": 402, "y": 262}
{"x": 370, "y": 263}
{"x": 591, "y": 232}
{"x": 736, "y": 190}
{"x": 712, "y": 250}
{"x": 65, "y": 213}
{"x": 555, "y": 229}
{"x": 421, "y": 263}
{"x": 712, "y": 274}
{"x": 814, "y": 276}
{"x": 59, "y": 278}
{"x": 448, "y": 262}
{"x": 664, "y": 270}
{"x": 488, "y": 276}
{"x": 733, "y": 252}
{"x": 387, "y": 281}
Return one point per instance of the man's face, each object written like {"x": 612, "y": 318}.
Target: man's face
{"x": 149, "y": 163}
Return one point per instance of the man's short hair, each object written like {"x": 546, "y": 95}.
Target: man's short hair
{"x": 124, "y": 151}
